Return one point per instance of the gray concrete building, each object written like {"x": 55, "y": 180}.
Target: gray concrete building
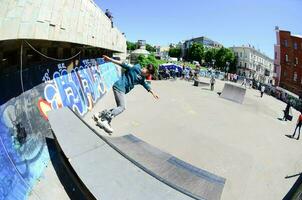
{"x": 253, "y": 64}
{"x": 206, "y": 42}
{"x": 57, "y": 29}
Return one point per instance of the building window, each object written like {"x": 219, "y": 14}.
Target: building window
{"x": 295, "y": 45}
{"x": 240, "y": 64}
{"x": 240, "y": 54}
{"x": 295, "y": 76}
{"x": 296, "y": 60}
{"x": 245, "y": 65}
{"x": 285, "y": 43}
{"x": 275, "y": 55}
{"x": 286, "y": 58}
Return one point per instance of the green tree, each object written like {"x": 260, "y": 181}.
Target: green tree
{"x": 150, "y": 59}
{"x": 131, "y": 46}
{"x": 150, "y": 48}
{"x": 175, "y": 52}
{"x": 224, "y": 56}
{"x": 196, "y": 52}
{"x": 209, "y": 55}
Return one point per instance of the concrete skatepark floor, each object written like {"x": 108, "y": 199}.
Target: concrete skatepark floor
{"x": 243, "y": 143}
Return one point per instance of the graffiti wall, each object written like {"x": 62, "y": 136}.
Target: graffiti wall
{"x": 23, "y": 119}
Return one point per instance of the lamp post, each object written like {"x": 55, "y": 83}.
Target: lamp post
{"x": 213, "y": 62}
{"x": 227, "y": 66}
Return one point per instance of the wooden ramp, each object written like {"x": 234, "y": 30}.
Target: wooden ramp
{"x": 233, "y": 93}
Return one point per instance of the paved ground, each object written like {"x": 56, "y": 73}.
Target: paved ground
{"x": 243, "y": 143}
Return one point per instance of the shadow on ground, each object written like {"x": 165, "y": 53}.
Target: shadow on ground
{"x": 71, "y": 187}
{"x": 296, "y": 191}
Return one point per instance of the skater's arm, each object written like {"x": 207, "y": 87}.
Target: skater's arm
{"x": 154, "y": 95}
{"x": 122, "y": 64}
{"x": 148, "y": 88}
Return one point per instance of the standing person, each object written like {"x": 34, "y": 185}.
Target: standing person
{"x": 167, "y": 73}
{"x": 196, "y": 72}
{"x": 262, "y": 90}
{"x": 191, "y": 74}
{"x": 235, "y": 78}
{"x": 132, "y": 76}
{"x": 251, "y": 83}
{"x": 212, "y": 82}
{"x": 232, "y": 77}
{"x": 286, "y": 111}
{"x": 244, "y": 82}
{"x": 183, "y": 73}
{"x": 176, "y": 72}
{"x": 187, "y": 74}
{"x": 258, "y": 86}
{"x": 299, "y": 124}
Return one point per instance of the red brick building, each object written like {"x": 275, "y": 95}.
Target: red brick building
{"x": 288, "y": 61}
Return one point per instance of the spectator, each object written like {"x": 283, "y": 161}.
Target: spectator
{"x": 286, "y": 111}
{"x": 262, "y": 90}
{"x": 244, "y": 82}
{"x": 191, "y": 74}
{"x": 235, "y": 78}
{"x": 176, "y": 72}
{"x": 109, "y": 15}
{"x": 183, "y": 73}
{"x": 212, "y": 82}
{"x": 258, "y": 86}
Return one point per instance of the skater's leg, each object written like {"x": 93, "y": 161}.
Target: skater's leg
{"x": 295, "y": 131}
{"x": 299, "y": 132}
{"x": 120, "y": 102}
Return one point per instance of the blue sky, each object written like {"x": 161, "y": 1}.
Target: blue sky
{"x": 230, "y": 22}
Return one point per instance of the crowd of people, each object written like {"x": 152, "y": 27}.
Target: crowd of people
{"x": 189, "y": 74}
{"x": 173, "y": 72}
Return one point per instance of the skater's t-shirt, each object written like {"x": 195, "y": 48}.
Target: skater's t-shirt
{"x": 300, "y": 119}
{"x": 130, "y": 77}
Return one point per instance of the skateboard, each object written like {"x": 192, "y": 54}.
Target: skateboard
{"x": 96, "y": 119}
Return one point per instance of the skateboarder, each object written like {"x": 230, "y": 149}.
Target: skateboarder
{"x": 132, "y": 76}
{"x": 299, "y": 124}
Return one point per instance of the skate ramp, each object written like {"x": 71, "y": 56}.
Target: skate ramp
{"x": 233, "y": 93}
{"x": 24, "y": 153}
{"x": 199, "y": 182}
{"x": 126, "y": 167}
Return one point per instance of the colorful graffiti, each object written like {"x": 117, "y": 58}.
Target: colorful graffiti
{"x": 23, "y": 119}
{"x": 81, "y": 88}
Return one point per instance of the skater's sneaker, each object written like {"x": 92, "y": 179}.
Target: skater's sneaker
{"x": 95, "y": 117}
{"x": 105, "y": 125}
